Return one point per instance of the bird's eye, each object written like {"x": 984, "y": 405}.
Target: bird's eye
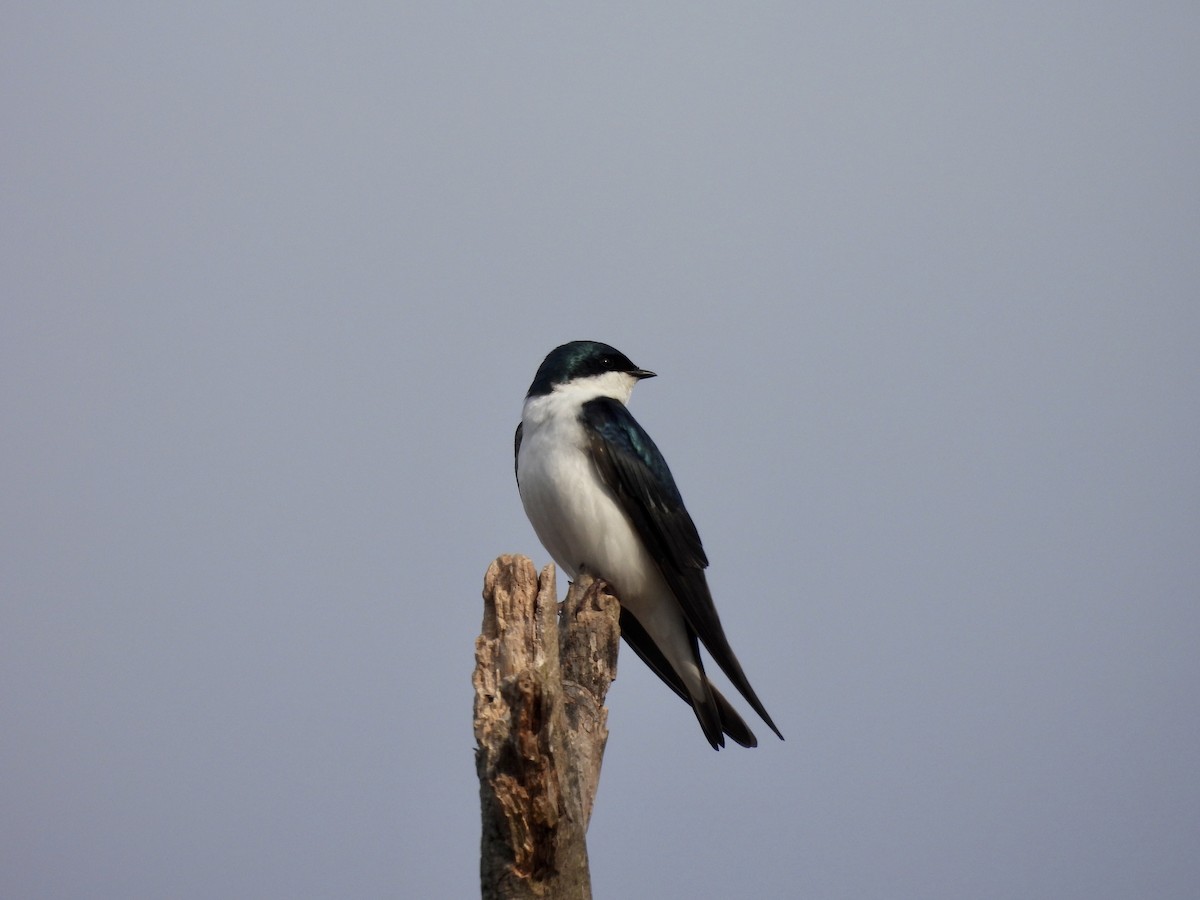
{"x": 607, "y": 362}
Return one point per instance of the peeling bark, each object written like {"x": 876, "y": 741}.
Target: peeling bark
{"x": 540, "y": 725}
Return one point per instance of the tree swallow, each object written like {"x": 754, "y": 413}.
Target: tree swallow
{"x": 600, "y": 497}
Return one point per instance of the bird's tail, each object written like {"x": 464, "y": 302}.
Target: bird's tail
{"x": 716, "y": 715}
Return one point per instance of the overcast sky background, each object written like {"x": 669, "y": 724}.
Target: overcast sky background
{"x": 921, "y": 284}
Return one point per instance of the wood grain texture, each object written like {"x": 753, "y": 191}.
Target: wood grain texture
{"x": 540, "y": 680}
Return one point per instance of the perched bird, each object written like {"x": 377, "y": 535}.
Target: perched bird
{"x": 600, "y": 497}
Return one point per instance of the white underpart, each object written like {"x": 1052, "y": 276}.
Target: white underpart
{"x": 582, "y": 525}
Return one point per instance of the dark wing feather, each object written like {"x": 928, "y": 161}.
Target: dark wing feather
{"x": 517, "y": 452}
{"x": 728, "y": 719}
{"x": 635, "y": 471}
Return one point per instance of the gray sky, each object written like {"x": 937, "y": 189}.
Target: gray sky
{"x": 920, "y": 282}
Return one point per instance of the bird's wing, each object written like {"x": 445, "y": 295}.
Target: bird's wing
{"x": 517, "y": 452}
{"x": 635, "y": 471}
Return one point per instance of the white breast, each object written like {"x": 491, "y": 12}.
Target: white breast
{"x": 576, "y": 518}
{"x": 582, "y": 525}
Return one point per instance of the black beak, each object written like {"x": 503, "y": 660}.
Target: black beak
{"x": 643, "y": 373}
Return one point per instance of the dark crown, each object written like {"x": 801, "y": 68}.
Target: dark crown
{"x": 579, "y": 359}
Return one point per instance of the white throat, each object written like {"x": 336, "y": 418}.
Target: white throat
{"x": 573, "y": 394}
